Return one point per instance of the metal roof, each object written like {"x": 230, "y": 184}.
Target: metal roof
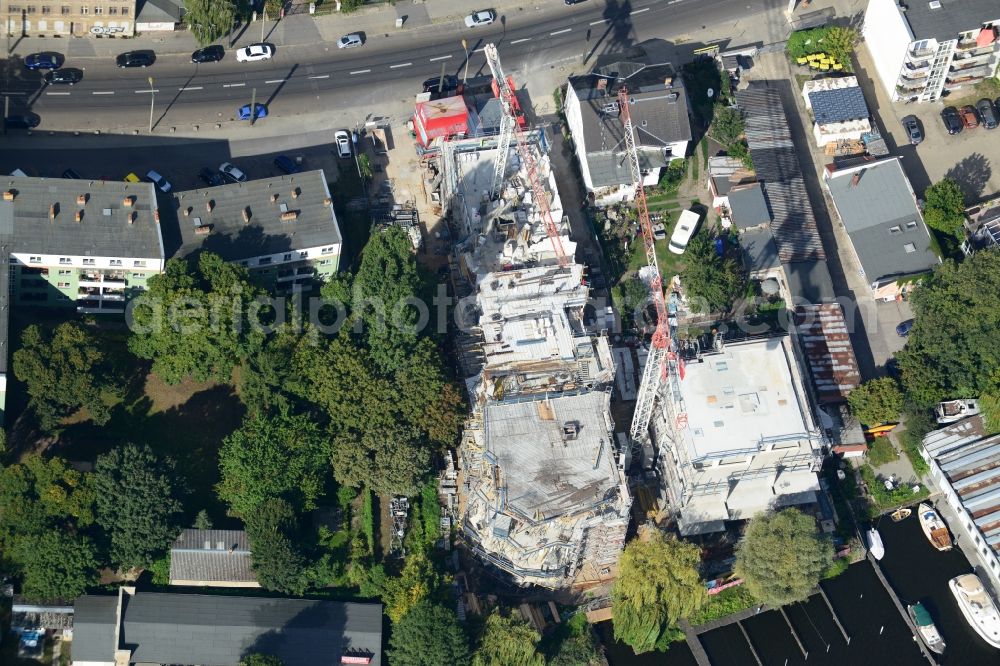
{"x": 759, "y": 251}
{"x": 810, "y": 280}
{"x": 221, "y": 556}
{"x": 950, "y": 18}
{"x": 748, "y": 206}
{"x": 94, "y": 628}
{"x": 824, "y": 338}
{"x": 838, "y": 105}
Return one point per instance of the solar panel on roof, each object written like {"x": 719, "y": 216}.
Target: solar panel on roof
{"x": 838, "y": 105}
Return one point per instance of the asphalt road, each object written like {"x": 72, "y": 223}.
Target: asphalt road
{"x": 310, "y": 76}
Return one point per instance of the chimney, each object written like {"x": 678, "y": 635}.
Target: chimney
{"x": 53, "y": 211}
{"x": 79, "y": 216}
{"x": 156, "y": 216}
{"x": 128, "y": 201}
{"x": 668, "y": 82}
{"x": 289, "y": 216}
{"x": 296, "y": 192}
{"x": 187, "y": 211}
{"x": 8, "y": 195}
{"x": 856, "y": 178}
{"x": 202, "y": 229}
{"x": 246, "y": 215}
{"x": 327, "y": 201}
{"x": 132, "y": 216}
{"x": 274, "y": 197}
{"x": 81, "y": 199}
{"x": 209, "y": 205}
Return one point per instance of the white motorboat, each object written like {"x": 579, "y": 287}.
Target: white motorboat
{"x": 875, "y": 544}
{"x": 977, "y": 607}
{"x": 934, "y": 527}
{"x": 925, "y": 628}
{"x": 950, "y": 411}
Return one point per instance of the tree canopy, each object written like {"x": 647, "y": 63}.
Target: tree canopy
{"x": 951, "y": 351}
{"x": 273, "y": 532}
{"x": 711, "y": 281}
{"x": 55, "y": 565}
{"x": 782, "y": 557}
{"x": 508, "y": 640}
{"x": 876, "y": 401}
{"x": 209, "y": 19}
{"x": 65, "y": 371}
{"x": 944, "y": 207}
{"x": 417, "y": 581}
{"x": 428, "y": 635}
{"x": 260, "y": 659}
{"x": 137, "y": 503}
{"x": 657, "y": 585}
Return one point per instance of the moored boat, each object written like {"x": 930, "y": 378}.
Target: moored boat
{"x": 926, "y": 629}
{"x": 977, "y": 607}
{"x": 934, "y": 527}
{"x": 875, "y": 544}
{"x": 900, "y": 514}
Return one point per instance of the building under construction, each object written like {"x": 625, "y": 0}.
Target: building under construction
{"x": 542, "y": 495}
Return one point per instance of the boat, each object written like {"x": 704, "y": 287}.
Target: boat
{"x": 875, "y": 544}
{"x": 950, "y": 411}
{"x": 934, "y": 527}
{"x": 977, "y": 607}
{"x": 900, "y": 514}
{"x": 925, "y": 628}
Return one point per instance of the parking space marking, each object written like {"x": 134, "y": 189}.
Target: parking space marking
{"x": 103, "y": 92}
{"x": 190, "y": 88}
{"x": 559, "y": 32}
{"x": 405, "y": 64}
{"x": 13, "y": 93}
{"x": 361, "y": 71}
{"x": 440, "y": 58}
{"x": 518, "y": 41}
{"x": 233, "y": 85}
{"x": 320, "y": 76}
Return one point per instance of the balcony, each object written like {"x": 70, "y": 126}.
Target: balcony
{"x": 88, "y": 292}
{"x": 917, "y": 54}
{"x": 916, "y": 67}
{"x": 113, "y": 296}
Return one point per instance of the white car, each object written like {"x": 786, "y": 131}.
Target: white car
{"x": 232, "y": 173}
{"x": 349, "y": 41}
{"x": 158, "y": 180}
{"x": 485, "y": 17}
{"x": 683, "y": 231}
{"x": 255, "y": 52}
{"x": 343, "y": 141}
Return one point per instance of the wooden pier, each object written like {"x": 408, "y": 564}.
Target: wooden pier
{"x": 901, "y": 609}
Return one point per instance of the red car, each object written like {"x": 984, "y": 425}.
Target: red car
{"x": 970, "y": 118}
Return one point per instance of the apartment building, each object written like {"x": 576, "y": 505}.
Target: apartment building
{"x": 923, "y": 50}
{"x": 69, "y": 18}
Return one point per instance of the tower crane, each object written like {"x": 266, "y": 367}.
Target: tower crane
{"x": 511, "y": 131}
{"x": 662, "y": 364}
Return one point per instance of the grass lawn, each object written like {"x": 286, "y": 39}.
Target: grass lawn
{"x": 670, "y": 264}
{"x": 883, "y": 500}
{"x": 881, "y": 451}
{"x": 727, "y": 602}
{"x": 989, "y": 88}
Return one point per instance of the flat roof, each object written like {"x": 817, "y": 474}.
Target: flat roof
{"x": 233, "y": 238}
{"x": 949, "y": 17}
{"x": 748, "y": 206}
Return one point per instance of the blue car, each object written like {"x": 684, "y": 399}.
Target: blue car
{"x": 261, "y": 112}
{"x": 287, "y": 164}
{"x": 903, "y": 329}
{"x": 46, "y": 60}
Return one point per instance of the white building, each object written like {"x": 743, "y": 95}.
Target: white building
{"x": 965, "y": 466}
{"x": 922, "y": 49}
{"x": 741, "y": 438}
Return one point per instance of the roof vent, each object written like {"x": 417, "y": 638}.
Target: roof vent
{"x": 53, "y": 211}
{"x": 246, "y": 215}
{"x": 289, "y": 216}
{"x": 673, "y": 97}
{"x": 128, "y": 201}
{"x": 202, "y": 229}
{"x": 934, "y": 4}
{"x": 9, "y": 195}
{"x": 106, "y": 212}
{"x": 81, "y": 199}
{"x": 296, "y": 192}
{"x": 221, "y": 545}
{"x": 79, "y": 216}
{"x": 570, "y": 430}
{"x": 208, "y": 544}
{"x": 610, "y": 107}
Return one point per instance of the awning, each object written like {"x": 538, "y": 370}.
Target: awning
{"x": 986, "y": 37}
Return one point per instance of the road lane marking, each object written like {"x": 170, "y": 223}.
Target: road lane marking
{"x": 233, "y": 85}
{"x": 13, "y": 93}
{"x": 320, "y": 76}
{"x": 599, "y": 22}
{"x": 518, "y": 41}
{"x": 146, "y": 90}
{"x": 405, "y": 64}
{"x": 559, "y": 32}
{"x": 276, "y": 81}
{"x": 361, "y": 71}
{"x": 57, "y": 93}
{"x": 190, "y": 88}
{"x": 103, "y": 92}
{"x": 440, "y": 58}
{"x": 639, "y": 11}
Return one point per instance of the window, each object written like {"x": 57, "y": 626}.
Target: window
{"x": 912, "y": 224}
{"x": 30, "y": 9}
{"x": 977, "y": 540}
{"x": 65, "y": 9}
{"x": 304, "y": 254}
{"x": 124, "y": 11}
{"x": 265, "y": 261}
{"x": 46, "y": 9}
{"x": 84, "y": 10}
{"x": 327, "y": 250}
{"x": 113, "y": 11}
{"x": 35, "y": 260}
{"x": 63, "y": 271}
{"x": 139, "y": 276}
{"x": 98, "y": 10}
{"x": 63, "y": 285}
{"x": 895, "y": 229}
{"x": 244, "y": 263}
{"x": 138, "y": 264}
{"x": 324, "y": 262}
{"x": 65, "y": 260}
{"x": 116, "y": 262}
{"x": 287, "y": 257}
{"x": 88, "y": 262}
{"x": 910, "y": 247}
{"x": 14, "y": 9}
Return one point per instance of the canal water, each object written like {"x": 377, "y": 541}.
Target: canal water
{"x": 878, "y": 635}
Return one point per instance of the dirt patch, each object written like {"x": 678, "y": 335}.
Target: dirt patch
{"x": 163, "y": 396}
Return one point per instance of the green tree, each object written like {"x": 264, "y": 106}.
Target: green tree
{"x": 712, "y": 282}
{"x": 202, "y": 521}
{"x": 66, "y": 371}
{"x": 508, "y": 641}
{"x": 259, "y": 659}
{"x": 658, "y": 584}
{"x": 951, "y": 351}
{"x": 209, "y": 19}
{"x": 428, "y": 635}
{"x": 137, "y": 504}
{"x": 782, "y": 557}
{"x": 389, "y": 461}
{"x": 727, "y": 126}
{"x": 282, "y": 456}
{"x": 273, "y": 532}
{"x": 417, "y": 581}
{"x": 944, "y": 207}
{"x": 365, "y": 166}
{"x": 266, "y": 380}
{"x": 577, "y": 650}
{"x": 876, "y": 401}
{"x": 55, "y": 565}
{"x": 197, "y": 321}
{"x": 273, "y": 9}
{"x": 42, "y": 494}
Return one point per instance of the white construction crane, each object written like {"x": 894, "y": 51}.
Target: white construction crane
{"x": 662, "y": 363}
{"x": 510, "y": 130}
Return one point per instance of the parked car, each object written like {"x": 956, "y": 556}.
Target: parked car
{"x": 287, "y": 164}
{"x": 44, "y": 60}
{"x": 903, "y": 329}
{"x": 484, "y": 17}
{"x": 212, "y": 53}
{"x": 913, "y": 131}
{"x": 68, "y": 76}
{"x": 343, "y": 141}
{"x": 211, "y": 178}
{"x": 22, "y": 121}
{"x": 987, "y": 112}
{"x": 131, "y": 178}
{"x": 255, "y": 52}
{"x": 952, "y": 121}
{"x": 686, "y": 226}
{"x": 232, "y": 173}
{"x": 70, "y": 174}
{"x": 260, "y": 111}
{"x": 158, "y": 180}
{"x": 135, "y": 59}
{"x": 350, "y": 41}
{"x": 970, "y": 118}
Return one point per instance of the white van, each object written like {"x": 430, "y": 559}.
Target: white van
{"x": 685, "y": 228}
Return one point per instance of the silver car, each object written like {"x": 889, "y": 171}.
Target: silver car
{"x": 255, "y": 52}
{"x": 349, "y": 41}
{"x": 484, "y": 17}
{"x": 343, "y": 141}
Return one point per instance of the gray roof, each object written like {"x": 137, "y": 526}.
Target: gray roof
{"x": 211, "y": 555}
{"x": 879, "y": 212}
{"x": 838, "y": 105}
{"x": 748, "y": 207}
{"x": 103, "y": 231}
{"x": 217, "y": 630}
{"x": 776, "y": 163}
{"x": 659, "y": 112}
{"x": 159, "y": 11}
{"x": 952, "y": 18}
{"x": 759, "y": 251}
{"x": 546, "y": 475}
{"x": 94, "y": 628}
{"x": 233, "y": 239}
{"x": 810, "y": 280}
